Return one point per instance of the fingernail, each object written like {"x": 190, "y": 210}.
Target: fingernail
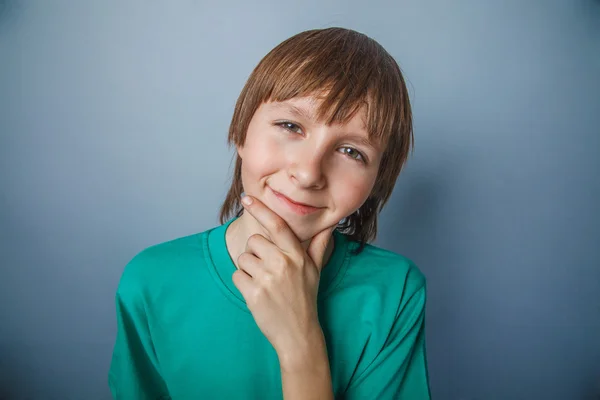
{"x": 246, "y": 199}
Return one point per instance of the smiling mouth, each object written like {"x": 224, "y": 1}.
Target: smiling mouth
{"x": 298, "y": 208}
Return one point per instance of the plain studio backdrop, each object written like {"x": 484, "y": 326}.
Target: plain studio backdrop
{"x": 113, "y": 123}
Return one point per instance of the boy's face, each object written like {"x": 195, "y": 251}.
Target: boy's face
{"x": 287, "y": 152}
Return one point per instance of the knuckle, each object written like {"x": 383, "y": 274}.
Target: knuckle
{"x": 268, "y": 281}
{"x": 237, "y": 275}
{"x": 299, "y": 261}
{"x": 253, "y": 239}
{"x": 280, "y": 261}
{"x": 283, "y": 274}
{"x": 257, "y": 295}
{"x": 243, "y": 258}
{"x": 302, "y": 266}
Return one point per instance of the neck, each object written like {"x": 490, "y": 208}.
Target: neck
{"x": 240, "y": 230}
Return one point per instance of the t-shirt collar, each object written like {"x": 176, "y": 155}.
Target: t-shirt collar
{"x": 224, "y": 266}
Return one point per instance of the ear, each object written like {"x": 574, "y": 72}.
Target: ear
{"x": 240, "y": 151}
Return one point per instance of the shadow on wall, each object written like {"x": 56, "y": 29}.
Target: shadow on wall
{"x": 421, "y": 222}
{"x": 420, "y": 216}
{"x": 423, "y": 228}
{"x": 413, "y": 215}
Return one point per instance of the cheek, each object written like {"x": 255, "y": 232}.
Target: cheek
{"x": 351, "y": 194}
{"x": 260, "y": 158}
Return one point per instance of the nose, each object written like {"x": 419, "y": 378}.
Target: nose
{"x": 306, "y": 168}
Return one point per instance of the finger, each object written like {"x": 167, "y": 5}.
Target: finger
{"x": 277, "y": 229}
{"x": 243, "y": 282}
{"x": 258, "y": 245}
{"x": 263, "y": 249}
{"x": 249, "y": 263}
{"x": 318, "y": 246}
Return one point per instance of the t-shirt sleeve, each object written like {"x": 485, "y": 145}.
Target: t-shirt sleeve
{"x": 134, "y": 369}
{"x": 399, "y": 371}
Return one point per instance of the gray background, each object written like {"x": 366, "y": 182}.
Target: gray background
{"x": 113, "y": 119}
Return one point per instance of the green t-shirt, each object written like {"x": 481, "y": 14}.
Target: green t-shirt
{"x": 185, "y": 332}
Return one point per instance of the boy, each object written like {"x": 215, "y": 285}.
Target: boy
{"x": 286, "y": 296}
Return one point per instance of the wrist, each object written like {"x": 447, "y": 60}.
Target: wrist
{"x": 307, "y": 354}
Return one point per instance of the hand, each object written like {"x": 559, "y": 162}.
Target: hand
{"x": 280, "y": 281}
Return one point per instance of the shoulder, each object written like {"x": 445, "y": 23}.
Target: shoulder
{"x": 156, "y": 264}
{"x": 387, "y": 269}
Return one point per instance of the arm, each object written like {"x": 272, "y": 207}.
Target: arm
{"x": 305, "y": 373}
{"x": 399, "y": 371}
{"x": 279, "y": 280}
{"x": 134, "y": 372}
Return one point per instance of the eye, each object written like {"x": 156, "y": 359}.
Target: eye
{"x": 354, "y": 154}
{"x": 349, "y": 151}
{"x": 289, "y": 126}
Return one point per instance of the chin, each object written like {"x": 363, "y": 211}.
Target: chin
{"x": 308, "y": 236}
{"x": 305, "y": 232}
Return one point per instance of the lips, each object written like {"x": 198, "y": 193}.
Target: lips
{"x": 292, "y": 201}
{"x": 296, "y": 207}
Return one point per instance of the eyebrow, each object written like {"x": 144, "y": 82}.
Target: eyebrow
{"x": 306, "y": 114}
{"x": 297, "y": 111}
{"x": 363, "y": 140}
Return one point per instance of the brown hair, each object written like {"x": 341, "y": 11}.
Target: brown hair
{"x": 349, "y": 70}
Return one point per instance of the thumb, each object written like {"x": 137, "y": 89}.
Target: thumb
{"x": 318, "y": 245}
